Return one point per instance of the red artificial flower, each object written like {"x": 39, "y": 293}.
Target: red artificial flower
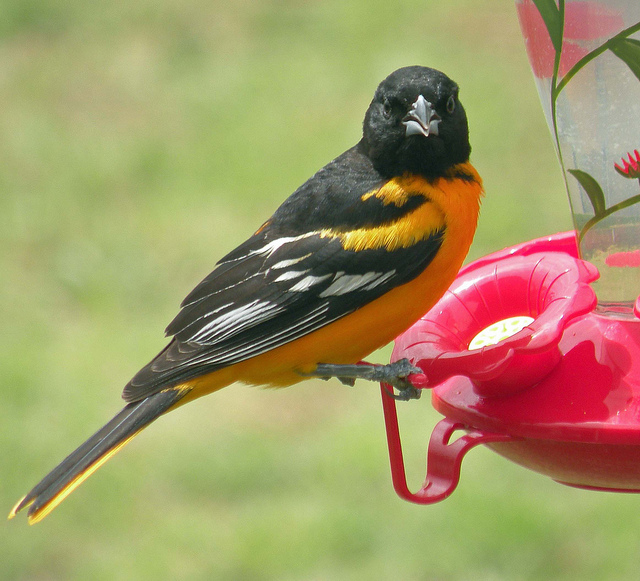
{"x": 583, "y": 22}
{"x": 532, "y": 280}
{"x": 630, "y": 168}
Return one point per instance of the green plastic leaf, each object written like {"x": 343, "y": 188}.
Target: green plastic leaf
{"x": 628, "y": 50}
{"x": 593, "y": 189}
{"x": 552, "y": 20}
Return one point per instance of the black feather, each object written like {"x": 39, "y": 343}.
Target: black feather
{"x": 130, "y": 420}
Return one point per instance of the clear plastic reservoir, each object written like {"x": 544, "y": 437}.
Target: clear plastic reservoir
{"x": 585, "y": 57}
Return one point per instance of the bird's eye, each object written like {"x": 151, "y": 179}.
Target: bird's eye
{"x": 386, "y": 109}
{"x": 451, "y": 104}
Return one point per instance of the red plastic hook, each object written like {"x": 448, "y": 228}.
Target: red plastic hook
{"x": 443, "y": 458}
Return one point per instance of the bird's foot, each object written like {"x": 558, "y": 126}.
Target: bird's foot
{"x": 394, "y": 374}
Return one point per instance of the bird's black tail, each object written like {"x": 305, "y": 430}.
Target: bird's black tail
{"x": 84, "y": 461}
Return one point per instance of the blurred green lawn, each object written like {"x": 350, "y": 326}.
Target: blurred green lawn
{"x": 142, "y": 141}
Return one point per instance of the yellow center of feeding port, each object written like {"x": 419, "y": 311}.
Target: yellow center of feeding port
{"x": 499, "y": 332}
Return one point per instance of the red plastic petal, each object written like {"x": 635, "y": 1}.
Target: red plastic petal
{"x": 552, "y": 288}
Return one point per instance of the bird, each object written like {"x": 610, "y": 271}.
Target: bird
{"x": 346, "y": 263}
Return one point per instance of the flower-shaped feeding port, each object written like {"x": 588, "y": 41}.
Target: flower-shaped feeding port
{"x": 500, "y": 322}
{"x": 560, "y": 396}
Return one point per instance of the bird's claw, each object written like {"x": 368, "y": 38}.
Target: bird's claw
{"x": 395, "y": 375}
{"x": 350, "y": 381}
{"x": 404, "y": 394}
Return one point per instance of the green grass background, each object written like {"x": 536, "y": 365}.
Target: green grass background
{"x": 141, "y": 141}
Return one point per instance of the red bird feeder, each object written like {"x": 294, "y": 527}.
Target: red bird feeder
{"x": 534, "y": 351}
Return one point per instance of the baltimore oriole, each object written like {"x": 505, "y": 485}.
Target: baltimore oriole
{"x": 350, "y": 260}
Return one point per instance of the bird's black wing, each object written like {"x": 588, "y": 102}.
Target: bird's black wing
{"x": 270, "y": 292}
{"x": 291, "y": 277}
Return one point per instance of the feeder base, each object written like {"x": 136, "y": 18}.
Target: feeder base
{"x": 604, "y": 467}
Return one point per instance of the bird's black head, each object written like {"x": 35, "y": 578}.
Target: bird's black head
{"x": 416, "y": 124}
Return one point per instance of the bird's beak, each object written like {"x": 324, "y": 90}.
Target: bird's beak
{"x": 422, "y": 119}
